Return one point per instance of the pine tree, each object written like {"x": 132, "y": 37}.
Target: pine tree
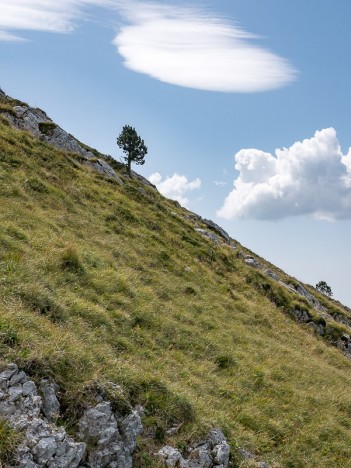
{"x": 133, "y": 147}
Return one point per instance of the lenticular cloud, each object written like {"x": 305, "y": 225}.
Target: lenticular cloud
{"x": 312, "y": 177}
{"x": 188, "y": 48}
{"x": 176, "y": 45}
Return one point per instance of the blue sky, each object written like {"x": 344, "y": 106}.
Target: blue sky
{"x": 215, "y": 88}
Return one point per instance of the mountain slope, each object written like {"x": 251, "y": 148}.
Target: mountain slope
{"x": 104, "y": 280}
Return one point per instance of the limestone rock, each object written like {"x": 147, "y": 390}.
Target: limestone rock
{"x": 272, "y": 275}
{"x": 41, "y": 126}
{"x": 208, "y": 235}
{"x": 217, "y": 228}
{"x": 51, "y": 405}
{"x": 250, "y": 260}
{"x": 113, "y": 437}
{"x": 43, "y": 444}
{"x": 212, "y": 452}
{"x": 171, "y": 457}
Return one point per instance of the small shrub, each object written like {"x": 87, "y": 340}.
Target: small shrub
{"x": 190, "y": 291}
{"x": 225, "y": 361}
{"x": 70, "y": 260}
{"x": 47, "y": 128}
{"x": 8, "y": 336}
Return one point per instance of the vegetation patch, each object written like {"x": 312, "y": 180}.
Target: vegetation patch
{"x": 47, "y": 128}
{"x": 9, "y": 439}
{"x": 70, "y": 260}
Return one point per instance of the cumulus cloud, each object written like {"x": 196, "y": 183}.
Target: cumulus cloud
{"x": 312, "y": 177}
{"x": 187, "y": 47}
{"x": 175, "y": 187}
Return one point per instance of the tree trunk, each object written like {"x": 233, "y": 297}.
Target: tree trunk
{"x": 129, "y": 170}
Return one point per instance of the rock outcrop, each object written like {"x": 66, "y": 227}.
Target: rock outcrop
{"x": 212, "y": 452}
{"x": 105, "y": 438}
{"x": 37, "y": 122}
{"x": 210, "y": 224}
{"x": 113, "y": 436}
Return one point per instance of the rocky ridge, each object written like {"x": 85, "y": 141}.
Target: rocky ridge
{"x": 37, "y": 122}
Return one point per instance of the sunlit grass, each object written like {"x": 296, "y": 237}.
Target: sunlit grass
{"x": 101, "y": 282}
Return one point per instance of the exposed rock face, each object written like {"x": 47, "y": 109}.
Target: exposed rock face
{"x": 111, "y": 438}
{"x": 43, "y": 445}
{"x": 213, "y": 452}
{"x": 344, "y": 344}
{"x": 208, "y": 235}
{"x": 51, "y": 405}
{"x": 41, "y": 126}
{"x": 217, "y": 229}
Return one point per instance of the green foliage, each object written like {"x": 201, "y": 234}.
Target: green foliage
{"x": 9, "y": 439}
{"x": 132, "y": 145}
{"x": 225, "y": 361}
{"x": 8, "y": 336}
{"x": 47, "y": 128}
{"x": 324, "y": 288}
{"x": 70, "y": 260}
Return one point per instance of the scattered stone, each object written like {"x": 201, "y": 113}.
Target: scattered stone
{"x": 10, "y": 371}
{"x": 250, "y": 260}
{"x": 272, "y": 275}
{"x": 171, "y": 457}
{"x": 173, "y": 430}
{"x": 213, "y": 452}
{"x": 208, "y": 235}
{"x": 217, "y": 228}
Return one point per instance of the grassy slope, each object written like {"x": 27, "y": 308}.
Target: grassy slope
{"x": 101, "y": 282}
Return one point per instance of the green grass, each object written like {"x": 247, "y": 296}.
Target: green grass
{"x": 104, "y": 283}
{"x": 9, "y": 439}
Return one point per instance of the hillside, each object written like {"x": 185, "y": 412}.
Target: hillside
{"x": 103, "y": 280}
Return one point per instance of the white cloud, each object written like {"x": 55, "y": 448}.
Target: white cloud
{"x": 220, "y": 183}
{"x": 175, "y": 187}
{"x": 17, "y": 16}
{"x": 189, "y": 48}
{"x": 177, "y": 45}
{"x": 312, "y": 177}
